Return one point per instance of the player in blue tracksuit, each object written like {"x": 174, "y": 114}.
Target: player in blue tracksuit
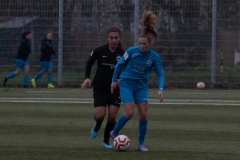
{"x": 21, "y": 60}
{"x": 134, "y": 68}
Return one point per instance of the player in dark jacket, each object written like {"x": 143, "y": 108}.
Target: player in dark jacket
{"x": 106, "y": 56}
{"x": 45, "y": 61}
{"x": 21, "y": 60}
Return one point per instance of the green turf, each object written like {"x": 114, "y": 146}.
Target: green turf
{"x": 186, "y": 130}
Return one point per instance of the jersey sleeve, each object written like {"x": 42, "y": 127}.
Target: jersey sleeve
{"x": 119, "y": 65}
{"x": 158, "y": 68}
{"x": 89, "y": 64}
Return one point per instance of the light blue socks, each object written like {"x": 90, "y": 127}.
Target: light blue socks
{"x": 38, "y": 75}
{"x": 25, "y": 79}
{"x": 142, "y": 131}
{"x": 122, "y": 120}
{"x": 49, "y": 78}
{"x": 11, "y": 75}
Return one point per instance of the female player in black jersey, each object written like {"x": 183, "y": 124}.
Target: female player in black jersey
{"x": 107, "y": 57}
{"x": 45, "y": 61}
{"x": 21, "y": 60}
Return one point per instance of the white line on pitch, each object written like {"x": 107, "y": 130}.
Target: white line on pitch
{"x": 90, "y": 102}
{"x": 150, "y": 100}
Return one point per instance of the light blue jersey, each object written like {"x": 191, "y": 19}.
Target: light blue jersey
{"x": 135, "y": 64}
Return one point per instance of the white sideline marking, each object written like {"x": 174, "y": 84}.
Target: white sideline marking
{"x": 90, "y": 101}
{"x": 150, "y": 100}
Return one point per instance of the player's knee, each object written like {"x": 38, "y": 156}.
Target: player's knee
{"x": 143, "y": 116}
{"x": 17, "y": 72}
{"x": 43, "y": 71}
{"x": 99, "y": 117}
{"x": 129, "y": 114}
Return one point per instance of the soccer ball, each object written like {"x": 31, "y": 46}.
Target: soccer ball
{"x": 200, "y": 85}
{"x": 121, "y": 143}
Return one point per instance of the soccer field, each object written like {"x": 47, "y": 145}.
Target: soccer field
{"x": 42, "y": 124}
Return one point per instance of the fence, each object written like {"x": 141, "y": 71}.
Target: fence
{"x": 185, "y": 36}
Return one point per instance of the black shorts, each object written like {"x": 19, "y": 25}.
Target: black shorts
{"x": 103, "y": 97}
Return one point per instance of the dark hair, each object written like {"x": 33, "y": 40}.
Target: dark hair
{"x": 46, "y": 36}
{"x": 25, "y": 34}
{"x": 115, "y": 30}
{"x": 148, "y": 20}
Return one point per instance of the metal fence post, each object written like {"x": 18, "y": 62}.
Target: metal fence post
{"x": 214, "y": 21}
{"x": 60, "y": 39}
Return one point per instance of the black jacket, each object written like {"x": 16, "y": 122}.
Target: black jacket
{"x": 47, "y": 50}
{"x": 106, "y": 61}
{"x": 24, "y": 49}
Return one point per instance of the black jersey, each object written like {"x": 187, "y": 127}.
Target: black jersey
{"x": 24, "y": 49}
{"x": 106, "y": 61}
{"x": 47, "y": 50}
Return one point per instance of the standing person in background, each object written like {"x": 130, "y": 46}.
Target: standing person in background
{"x": 136, "y": 65}
{"x": 106, "y": 56}
{"x": 21, "y": 60}
{"x": 45, "y": 61}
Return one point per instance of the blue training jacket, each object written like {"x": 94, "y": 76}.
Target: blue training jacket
{"x": 135, "y": 64}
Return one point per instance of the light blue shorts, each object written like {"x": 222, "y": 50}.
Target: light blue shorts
{"x": 45, "y": 65}
{"x": 19, "y": 63}
{"x": 133, "y": 90}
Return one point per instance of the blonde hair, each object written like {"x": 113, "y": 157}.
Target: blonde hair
{"x": 148, "y": 21}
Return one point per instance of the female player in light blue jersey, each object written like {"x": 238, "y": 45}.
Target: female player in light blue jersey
{"x": 135, "y": 67}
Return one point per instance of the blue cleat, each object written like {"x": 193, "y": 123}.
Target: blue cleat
{"x": 142, "y": 148}
{"x": 93, "y": 133}
{"x": 112, "y": 135}
{"x": 108, "y": 146}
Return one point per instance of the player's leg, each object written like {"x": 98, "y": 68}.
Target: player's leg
{"x": 99, "y": 114}
{"x": 25, "y": 74}
{"x": 113, "y": 108}
{"x": 141, "y": 99}
{"x": 19, "y": 66}
{"x": 112, "y": 114}
{"x": 142, "y": 128}
{"x": 49, "y": 75}
{"x": 123, "y": 119}
{"x": 127, "y": 99}
{"x": 100, "y": 101}
{"x": 43, "y": 66}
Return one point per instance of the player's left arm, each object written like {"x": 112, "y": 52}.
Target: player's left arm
{"x": 158, "y": 68}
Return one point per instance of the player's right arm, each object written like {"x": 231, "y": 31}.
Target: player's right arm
{"x": 88, "y": 68}
{"x": 117, "y": 70}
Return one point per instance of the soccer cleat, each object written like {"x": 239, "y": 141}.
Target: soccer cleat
{"x": 5, "y": 81}
{"x": 108, "y": 146}
{"x": 33, "y": 83}
{"x": 93, "y": 133}
{"x": 142, "y": 148}
{"x": 112, "y": 135}
{"x": 51, "y": 86}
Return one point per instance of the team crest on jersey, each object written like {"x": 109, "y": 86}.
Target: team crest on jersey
{"x": 125, "y": 55}
{"x": 118, "y": 58}
{"x": 149, "y": 62}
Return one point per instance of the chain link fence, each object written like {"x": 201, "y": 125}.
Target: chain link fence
{"x": 184, "y": 40}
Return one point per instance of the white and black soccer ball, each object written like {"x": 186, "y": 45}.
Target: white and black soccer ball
{"x": 121, "y": 143}
{"x": 200, "y": 85}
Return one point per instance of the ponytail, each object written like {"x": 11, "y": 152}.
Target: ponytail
{"x": 148, "y": 21}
